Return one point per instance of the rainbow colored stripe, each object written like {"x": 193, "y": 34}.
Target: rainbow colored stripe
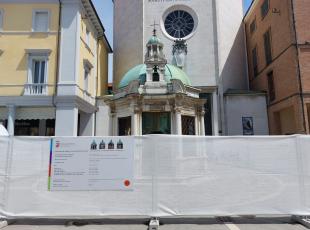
{"x": 50, "y": 165}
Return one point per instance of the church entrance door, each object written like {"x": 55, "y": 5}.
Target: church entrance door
{"x": 156, "y": 123}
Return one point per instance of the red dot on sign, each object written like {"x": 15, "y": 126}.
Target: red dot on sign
{"x": 126, "y": 183}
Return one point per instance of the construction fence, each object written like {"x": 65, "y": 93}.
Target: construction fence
{"x": 172, "y": 176}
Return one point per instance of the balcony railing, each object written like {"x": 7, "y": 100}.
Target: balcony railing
{"x": 35, "y": 89}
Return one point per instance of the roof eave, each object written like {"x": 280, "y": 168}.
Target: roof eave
{"x": 101, "y": 29}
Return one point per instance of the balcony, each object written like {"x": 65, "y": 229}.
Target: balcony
{"x": 35, "y": 89}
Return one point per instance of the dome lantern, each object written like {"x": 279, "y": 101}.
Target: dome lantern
{"x": 155, "y": 59}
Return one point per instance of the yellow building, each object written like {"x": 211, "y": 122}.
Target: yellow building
{"x": 54, "y": 63}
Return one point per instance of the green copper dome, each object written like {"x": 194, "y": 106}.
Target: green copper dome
{"x": 154, "y": 40}
{"x": 139, "y": 73}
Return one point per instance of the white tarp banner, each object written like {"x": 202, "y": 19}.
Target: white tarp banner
{"x": 173, "y": 175}
{"x": 4, "y": 145}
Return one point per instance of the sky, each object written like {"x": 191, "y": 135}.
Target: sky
{"x": 105, "y": 11}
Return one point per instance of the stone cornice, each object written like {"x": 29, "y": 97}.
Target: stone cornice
{"x": 69, "y": 101}
{"x": 26, "y": 100}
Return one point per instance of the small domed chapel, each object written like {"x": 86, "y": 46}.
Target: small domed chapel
{"x": 156, "y": 98}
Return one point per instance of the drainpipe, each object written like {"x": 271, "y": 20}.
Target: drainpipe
{"x": 58, "y": 53}
{"x": 298, "y": 66}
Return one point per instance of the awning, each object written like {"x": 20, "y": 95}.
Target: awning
{"x": 3, "y": 113}
{"x": 32, "y": 113}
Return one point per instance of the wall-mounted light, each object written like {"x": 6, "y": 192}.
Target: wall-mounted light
{"x": 276, "y": 11}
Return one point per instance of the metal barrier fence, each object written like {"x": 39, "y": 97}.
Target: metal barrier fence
{"x": 173, "y": 176}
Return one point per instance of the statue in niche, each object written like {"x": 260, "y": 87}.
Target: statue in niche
{"x": 179, "y": 51}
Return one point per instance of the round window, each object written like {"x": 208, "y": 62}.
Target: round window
{"x": 179, "y": 24}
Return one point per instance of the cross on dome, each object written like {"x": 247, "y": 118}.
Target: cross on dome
{"x": 154, "y": 30}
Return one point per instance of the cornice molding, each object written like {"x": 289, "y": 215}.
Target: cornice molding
{"x": 26, "y": 100}
{"x": 27, "y": 33}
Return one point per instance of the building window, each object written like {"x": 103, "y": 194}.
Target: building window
{"x": 87, "y": 37}
{"x": 254, "y": 61}
{"x": 40, "y": 21}
{"x": 87, "y": 74}
{"x": 155, "y": 74}
{"x": 265, "y": 8}
{"x": 267, "y": 45}
{"x": 1, "y": 19}
{"x": 37, "y": 73}
{"x": 86, "y": 78}
{"x": 253, "y": 26}
{"x": 271, "y": 87}
{"x": 179, "y": 24}
{"x": 188, "y": 125}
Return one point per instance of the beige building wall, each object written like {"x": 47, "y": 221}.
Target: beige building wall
{"x": 16, "y": 37}
{"x": 103, "y": 62}
{"x": 96, "y": 54}
{"x": 88, "y": 53}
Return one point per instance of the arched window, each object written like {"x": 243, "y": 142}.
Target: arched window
{"x": 155, "y": 74}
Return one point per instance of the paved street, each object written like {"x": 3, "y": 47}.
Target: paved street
{"x": 283, "y": 223}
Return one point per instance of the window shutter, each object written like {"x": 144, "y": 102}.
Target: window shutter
{"x": 41, "y": 22}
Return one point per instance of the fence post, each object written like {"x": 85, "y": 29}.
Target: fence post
{"x": 8, "y": 166}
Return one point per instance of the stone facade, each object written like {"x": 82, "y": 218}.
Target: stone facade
{"x": 288, "y": 92}
{"x": 216, "y": 57}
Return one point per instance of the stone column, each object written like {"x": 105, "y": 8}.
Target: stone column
{"x": 111, "y": 125}
{"x": 215, "y": 114}
{"x": 161, "y": 73}
{"x": 115, "y": 125}
{"x": 149, "y": 76}
{"x": 136, "y": 121}
{"x": 197, "y": 127}
{"x": 11, "y": 119}
{"x": 202, "y": 124}
{"x": 67, "y": 121}
{"x": 178, "y": 122}
{"x": 70, "y": 42}
{"x": 42, "y": 128}
{"x": 134, "y": 124}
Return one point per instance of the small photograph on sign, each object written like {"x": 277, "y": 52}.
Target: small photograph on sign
{"x": 93, "y": 145}
{"x": 248, "y": 126}
{"x": 102, "y": 145}
{"x": 120, "y": 144}
{"x": 111, "y": 145}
